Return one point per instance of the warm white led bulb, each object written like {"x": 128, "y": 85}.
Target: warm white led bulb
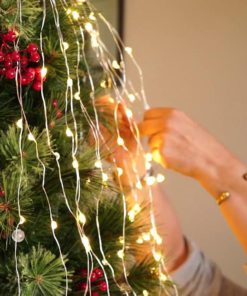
{"x": 89, "y": 27}
{"x": 129, "y": 50}
{"x": 148, "y": 166}
{"x": 120, "y": 171}
{"x": 92, "y": 16}
{"x": 163, "y": 277}
{"x": 157, "y": 256}
{"x": 98, "y": 164}
{"x": 19, "y": 123}
{"x": 115, "y": 65}
{"x": 22, "y": 220}
{"x": 131, "y": 97}
{"x": 139, "y": 185}
{"x": 82, "y": 218}
{"x": 68, "y": 11}
{"x": 69, "y": 82}
{"x": 54, "y": 225}
{"x": 146, "y": 236}
{"x": 145, "y": 293}
{"x": 57, "y": 155}
{"x": 105, "y": 177}
{"x": 75, "y": 15}
{"x": 65, "y": 45}
{"x": 120, "y": 254}
{"x": 150, "y": 180}
{"x": 160, "y": 178}
{"x": 129, "y": 113}
{"x": 43, "y": 72}
{"x": 149, "y": 157}
{"x": 75, "y": 164}
{"x": 69, "y": 132}
{"x": 139, "y": 241}
{"x": 86, "y": 243}
{"x": 120, "y": 141}
{"x": 131, "y": 215}
{"x": 77, "y": 96}
{"x": 31, "y": 137}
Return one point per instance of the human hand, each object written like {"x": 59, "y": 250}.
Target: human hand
{"x": 179, "y": 143}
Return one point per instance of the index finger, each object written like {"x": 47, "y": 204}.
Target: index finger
{"x": 157, "y": 112}
{"x": 151, "y": 127}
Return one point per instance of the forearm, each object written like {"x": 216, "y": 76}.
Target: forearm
{"x": 225, "y": 174}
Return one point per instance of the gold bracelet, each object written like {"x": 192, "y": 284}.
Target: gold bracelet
{"x": 223, "y": 197}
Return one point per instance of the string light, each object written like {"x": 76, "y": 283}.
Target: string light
{"x": 92, "y": 16}
{"x": 65, "y": 45}
{"x": 120, "y": 171}
{"x": 145, "y": 293}
{"x": 54, "y": 225}
{"x": 75, "y": 15}
{"x": 149, "y": 157}
{"x": 82, "y": 218}
{"x": 163, "y": 277}
{"x": 77, "y": 96}
{"x": 139, "y": 241}
{"x": 69, "y": 82}
{"x": 157, "y": 256}
{"x": 120, "y": 141}
{"x": 120, "y": 254}
{"x": 139, "y": 185}
{"x": 160, "y": 178}
{"x": 115, "y": 65}
{"x": 150, "y": 180}
{"x": 19, "y": 123}
{"x": 43, "y": 72}
{"x": 89, "y": 27}
{"x": 105, "y": 177}
{"x": 69, "y": 132}
{"x": 146, "y": 236}
{"x": 98, "y": 164}
{"x": 75, "y": 164}
{"x": 129, "y": 113}
{"x": 132, "y": 98}
{"x": 86, "y": 243}
{"x": 31, "y": 137}
{"x": 22, "y": 220}
{"x": 129, "y": 50}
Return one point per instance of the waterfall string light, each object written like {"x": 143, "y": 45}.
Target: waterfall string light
{"x": 119, "y": 86}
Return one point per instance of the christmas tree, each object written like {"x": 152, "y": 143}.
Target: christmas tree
{"x": 68, "y": 224}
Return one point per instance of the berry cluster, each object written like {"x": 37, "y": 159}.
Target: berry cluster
{"x": 2, "y": 193}
{"x": 28, "y": 59}
{"x": 97, "y": 283}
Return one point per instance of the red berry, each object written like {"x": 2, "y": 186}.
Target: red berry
{"x": 59, "y": 114}
{"x": 103, "y": 286}
{"x": 24, "y": 80}
{"x": 32, "y": 47}
{"x": 99, "y": 272}
{"x": 55, "y": 105}
{"x": 37, "y": 85}
{"x": 95, "y": 293}
{"x": 30, "y": 73}
{"x": 2, "y": 71}
{"x": 16, "y": 56}
{"x": 8, "y": 61}
{"x": 83, "y": 286}
{"x": 10, "y": 73}
{"x": 10, "y": 36}
{"x": 2, "y": 193}
{"x": 35, "y": 57}
{"x": 93, "y": 277}
{"x": 2, "y": 56}
{"x": 52, "y": 124}
{"x": 24, "y": 61}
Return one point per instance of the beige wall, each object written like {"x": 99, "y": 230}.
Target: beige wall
{"x": 194, "y": 57}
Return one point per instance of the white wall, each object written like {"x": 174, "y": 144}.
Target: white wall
{"x": 194, "y": 57}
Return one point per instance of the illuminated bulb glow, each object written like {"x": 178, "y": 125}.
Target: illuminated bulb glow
{"x": 149, "y": 157}
{"x": 69, "y": 82}
{"x": 150, "y": 180}
{"x": 129, "y": 113}
{"x": 163, "y": 277}
{"x": 120, "y": 141}
{"x": 69, "y": 11}
{"x": 120, "y": 171}
{"x": 75, "y": 15}
{"x": 115, "y": 65}
{"x": 57, "y": 155}
{"x": 54, "y": 225}
{"x": 129, "y": 50}
{"x": 131, "y": 215}
{"x": 82, "y": 218}
{"x": 105, "y": 177}
{"x": 98, "y": 164}
{"x": 77, "y": 96}
{"x": 31, "y": 137}
{"x": 120, "y": 254}
{"x": 139, "y": 185}
{"x": 43, "y": 72}
{"x": 65, "y": 45}
{"x": 86, "y": 243}
{"x": 22, "y": 220}
{"x": 92, "y": 17}
{"x": 139, "y": 241}
{"x": 132, "y": 98}
{"x": 19, "y": 123}
{"x": 157, "y": 256}
{"x": 146, "y": 236}
{"x": 156, "y": 155}
{"x": 160, "y": 178}
{"x": 69, "y": 132}
{"x": 103, "y": 84}
{"x": 89, "y": 27}
{"x": 75, "y": 164}
{"x": 148, "y": 166}
{"x": 145, "y": 293}
{"x": 121, "y": 240}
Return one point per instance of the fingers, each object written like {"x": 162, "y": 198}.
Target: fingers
{"x": 151, "y": 127}
{"x": 157, "y": 145}
{"x": 158, "y": 112}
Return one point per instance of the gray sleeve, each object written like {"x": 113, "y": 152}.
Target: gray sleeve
{"x": 198, "y": 276}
